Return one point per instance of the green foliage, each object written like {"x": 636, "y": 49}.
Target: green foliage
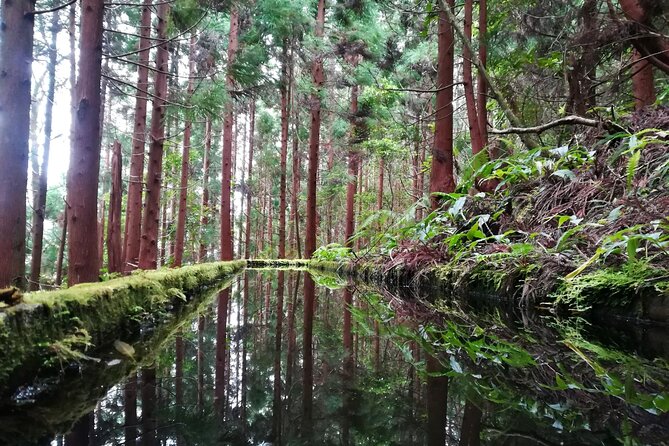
{"x": 334, "y": 252}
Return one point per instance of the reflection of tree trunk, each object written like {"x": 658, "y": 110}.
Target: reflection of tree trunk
{"x": 200, "y": 363}
{"x": 437, "y": 398}
{"x": 348, "y": 368}
{"x": 179, "y": 370}
{"x": 130, "y": 410}
{"x": 470, "y": 433}
{"x": 221, "y": 333}
{"x": 292, "y": 337}
{"x": 149, "y": 416}
{"x": 82, "y": 431}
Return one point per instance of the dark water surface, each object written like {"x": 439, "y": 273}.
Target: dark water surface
{"x": 399, "y": 373}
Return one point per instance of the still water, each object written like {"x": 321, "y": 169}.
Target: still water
{"x": 387, "y": 369}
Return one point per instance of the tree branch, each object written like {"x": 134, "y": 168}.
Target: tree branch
{"x": 54, "y": 9}
{"x": 567, "y": 120}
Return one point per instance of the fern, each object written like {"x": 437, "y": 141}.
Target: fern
{"x": 631, "y": 167}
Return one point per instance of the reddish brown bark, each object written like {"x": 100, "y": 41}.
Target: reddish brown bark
{"x": 16, "y": 47}
{"x": 206, "y": 165}
{"x": 226, "y": 218}
{"x": 39, "y": 205}
{"x": 441, "y": 178}
{"x": 114, "y": 248}
{"x": 277, "y": 406}
{"x": 148, "y": 251}
{"x": 650, "y": 44}
{"x": 247, "y": 235}
{"x": 468, "y": 81}
{"x": 133, "y": 216}
{"x": 82, "y": 175}
{"x": 482, "y": 86}
{"x": 353, "y": 167}
{"x": 310, "y": 238}
{"x": 185, "y": 163}
{"x": 643, "y": 82}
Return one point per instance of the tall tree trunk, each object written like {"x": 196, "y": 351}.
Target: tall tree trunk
{"x": 468, "y": 80}
{"x": 39, "y": 206}
{"x": 295, "y": 205}
{"x": 185, "y": 162}
{"x": 442, "y": 179}
{"x": 206, "y": 165}
{"x": 82, "y": 175}
{"x": 310, "y": 242}
{"x": 114, "y": 260}
{"x": 201, "y": 321}
{"x": 226, "y": 224}
{"x": 643, "y": 82}
{"x": 148, "y": 250}
{"x": 247, "y": 232}
{"x": 16, "y": 55}
{"x": 133, "y": 216}
{"x": 285, "y": 113}
{"x": 482, "y": 86}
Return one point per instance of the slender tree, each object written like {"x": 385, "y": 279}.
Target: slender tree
{"x": 318, "y": 79}
{"x": 114, "y": 248}
{"x": 82, "y": 175}
{"x": 39, "y": 203}
{"x": 442, "y": 179}
{"x": 133, "y": 215}
{"x": 226, "y": 219}
{"x": 148, "y": 252}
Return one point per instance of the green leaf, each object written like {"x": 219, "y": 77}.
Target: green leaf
{"x": 631, "y": 167}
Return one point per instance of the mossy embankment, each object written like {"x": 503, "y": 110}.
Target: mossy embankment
{"x": 47, "y": 329}
{"x": 578, "y": 228}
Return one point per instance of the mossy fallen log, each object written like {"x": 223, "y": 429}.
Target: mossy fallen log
{"x": 48, "y": 329}
{"x": 635, "y": 292}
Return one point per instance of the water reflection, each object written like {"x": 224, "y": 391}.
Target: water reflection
{"x": 380, "y": 369}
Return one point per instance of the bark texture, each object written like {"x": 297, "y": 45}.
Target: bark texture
{"x": 82, "y": 175}
{"x": 133, "y": 216}
{"x": 16, "y": 49}
{"x": 148, "y": 251}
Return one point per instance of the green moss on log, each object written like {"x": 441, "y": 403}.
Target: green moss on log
{"x": 31, "y": 332}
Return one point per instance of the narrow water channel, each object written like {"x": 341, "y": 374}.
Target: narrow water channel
{"x": 387, "y": 370}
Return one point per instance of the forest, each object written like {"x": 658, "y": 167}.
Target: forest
{"x": 509, "y": 150}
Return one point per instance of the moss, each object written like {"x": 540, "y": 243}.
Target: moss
{"x": 29, "y": 330}
{"x": 621, "y": 288}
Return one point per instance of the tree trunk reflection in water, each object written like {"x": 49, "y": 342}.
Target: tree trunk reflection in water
{"x": 437, "y": 398}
